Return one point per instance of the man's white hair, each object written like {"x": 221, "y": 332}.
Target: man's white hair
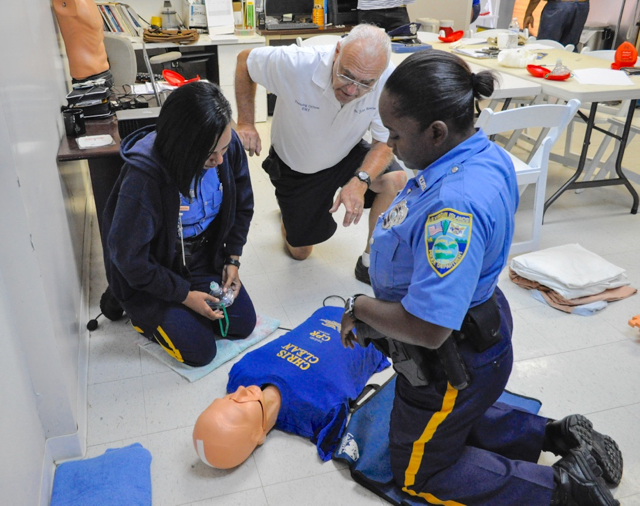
{"x": 375, "y": 40}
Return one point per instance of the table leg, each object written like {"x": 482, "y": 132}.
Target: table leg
{"x": 104, "y": 172}
{"x": 573, "y": 182}
{"x": 623, "y": 145}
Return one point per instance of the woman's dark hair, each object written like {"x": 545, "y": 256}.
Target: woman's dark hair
{"x": 190, "y": 124}
{"x": 433, "y": 85}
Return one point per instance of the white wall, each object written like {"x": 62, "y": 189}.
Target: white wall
{"x": 607, "y": 13}
{"x": 457, "y": 10}
{"x": 41, "y": 299}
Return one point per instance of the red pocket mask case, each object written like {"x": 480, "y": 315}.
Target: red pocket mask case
{"x": 175, "y": 79}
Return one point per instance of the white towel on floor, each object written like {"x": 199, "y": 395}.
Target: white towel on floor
{"x": 570, "y": 270}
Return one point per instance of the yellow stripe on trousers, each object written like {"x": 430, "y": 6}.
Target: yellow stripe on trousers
{"x": 417, "y": 453}
{"x": 174, "y": 352}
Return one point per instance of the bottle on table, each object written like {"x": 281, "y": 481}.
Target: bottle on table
{"x": 318, "y": 13}
{"x": 514, "y": 31}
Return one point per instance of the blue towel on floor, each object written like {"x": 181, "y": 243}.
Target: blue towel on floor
{"x": 119, "y": 476}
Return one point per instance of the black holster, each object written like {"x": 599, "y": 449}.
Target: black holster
{"x": 481, "y": 327}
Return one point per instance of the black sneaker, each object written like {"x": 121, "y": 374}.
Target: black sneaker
{"x": 578, "y": 481}
{"x": 110, "y": 306}
{"x": 575, "y": 430}
{"x": 362, "y": 272}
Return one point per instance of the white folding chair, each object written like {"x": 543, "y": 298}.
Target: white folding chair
{"x": 555, "y": 117}
{"x": 494, "y": 32}
{"x": 318, "y": 40}
{"x": 552, "y": 43}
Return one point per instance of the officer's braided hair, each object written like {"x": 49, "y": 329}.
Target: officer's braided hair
{"x": 433, "y": 85}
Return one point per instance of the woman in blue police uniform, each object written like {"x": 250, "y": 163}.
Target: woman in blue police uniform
{"x": 177, "y": 219}
{"x": 435, "y": 260}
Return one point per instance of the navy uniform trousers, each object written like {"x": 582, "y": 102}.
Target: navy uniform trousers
{"x": 186, "y": 335}
{"x": 458, "y": 447}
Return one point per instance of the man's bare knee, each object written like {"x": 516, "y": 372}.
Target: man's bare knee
{"x": 300, "y": 252}
{"x": 390, "y": 183}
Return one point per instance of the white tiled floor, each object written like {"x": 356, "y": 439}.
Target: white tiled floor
{"x": 588, "y": 365}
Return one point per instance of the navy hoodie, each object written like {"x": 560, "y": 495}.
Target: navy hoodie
{"x": 140, "y": 224}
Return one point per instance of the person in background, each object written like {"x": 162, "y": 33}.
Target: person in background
{"x": 327, "y": 101}
{"x": 81, "y": 28}
{"x": 177, "y": 219}
{"x": 475, "y": 10}
{"x": 560, "y": 20}
{"x": 387, "y": 14}
{"x": 436, "y": 256}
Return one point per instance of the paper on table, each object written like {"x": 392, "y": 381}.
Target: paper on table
{"x": 219, "y": 16}
{"x": 147, "y": 88}
{"x": 602, "y": 77}
{"x": 94, "y": 141}
{"x": 473, "y": 40}
{"x": 537, "y": 47}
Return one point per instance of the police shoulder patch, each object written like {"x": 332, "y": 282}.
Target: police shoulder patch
{"x": 447, "y": 234}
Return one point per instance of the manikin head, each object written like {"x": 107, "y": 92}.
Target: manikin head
{"x": 227, "y": 432}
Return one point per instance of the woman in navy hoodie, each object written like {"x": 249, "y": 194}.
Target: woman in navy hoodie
{"x": 177, "y": 219}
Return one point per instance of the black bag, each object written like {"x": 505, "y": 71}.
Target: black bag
{"x": 93, "y": 101}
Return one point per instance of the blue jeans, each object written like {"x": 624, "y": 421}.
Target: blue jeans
{"x": 563, "y": 21}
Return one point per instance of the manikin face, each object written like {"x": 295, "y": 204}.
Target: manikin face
{"x": 355, "y": 72}
{"x": 228, "y": 431}
{"x": 217, "y": 152}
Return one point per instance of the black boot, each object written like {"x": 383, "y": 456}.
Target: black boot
{"x": 110, "y": 306}
{"x": 578, "y": 481}
{"x": 574, "y": 430}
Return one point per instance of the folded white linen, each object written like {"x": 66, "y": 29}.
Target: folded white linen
{"x": 570, "y": 270}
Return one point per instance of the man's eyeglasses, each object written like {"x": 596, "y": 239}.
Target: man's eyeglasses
{"x": 364, "y": 88}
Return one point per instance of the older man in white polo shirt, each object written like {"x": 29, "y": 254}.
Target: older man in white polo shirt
{"x": 327, "y": 101}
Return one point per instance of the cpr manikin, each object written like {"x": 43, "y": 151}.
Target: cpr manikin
{"x": 81, "y": 27}
{"x": 227, "y": 432}
{"x": 308, "y": 380}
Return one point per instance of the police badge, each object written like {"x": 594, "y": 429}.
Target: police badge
{"x": 447, "y": 236}
{"x": 396, "y": 215}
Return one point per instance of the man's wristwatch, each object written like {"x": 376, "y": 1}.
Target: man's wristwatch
{"x": 364, "y": 177}
{"x": 232, "y": 261}
{"x": 350, "y": 305}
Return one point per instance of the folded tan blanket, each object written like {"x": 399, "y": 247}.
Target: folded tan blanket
{"x": 554, "y": 299}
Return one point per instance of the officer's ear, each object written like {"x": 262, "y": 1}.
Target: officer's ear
{"x": 438, "y": 132}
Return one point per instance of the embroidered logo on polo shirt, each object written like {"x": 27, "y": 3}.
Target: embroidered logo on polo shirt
{"x": 447, "y": 235}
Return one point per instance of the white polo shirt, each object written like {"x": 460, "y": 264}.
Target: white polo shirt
{"x": 311, "y": 131}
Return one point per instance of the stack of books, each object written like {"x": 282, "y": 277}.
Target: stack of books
{"x": 119, "y": 18}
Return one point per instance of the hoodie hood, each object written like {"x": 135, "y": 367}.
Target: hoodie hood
{"x": 137, "y": 150}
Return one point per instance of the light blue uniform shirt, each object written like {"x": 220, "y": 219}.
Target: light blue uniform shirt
{"x": 442, "y": 243}
{"x": 204, "y": 204}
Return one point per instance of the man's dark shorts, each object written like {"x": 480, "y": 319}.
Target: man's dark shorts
{"x": 305, "y": 199}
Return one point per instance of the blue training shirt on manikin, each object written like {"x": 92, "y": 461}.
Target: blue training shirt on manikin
{"x": 315, "y": 374}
